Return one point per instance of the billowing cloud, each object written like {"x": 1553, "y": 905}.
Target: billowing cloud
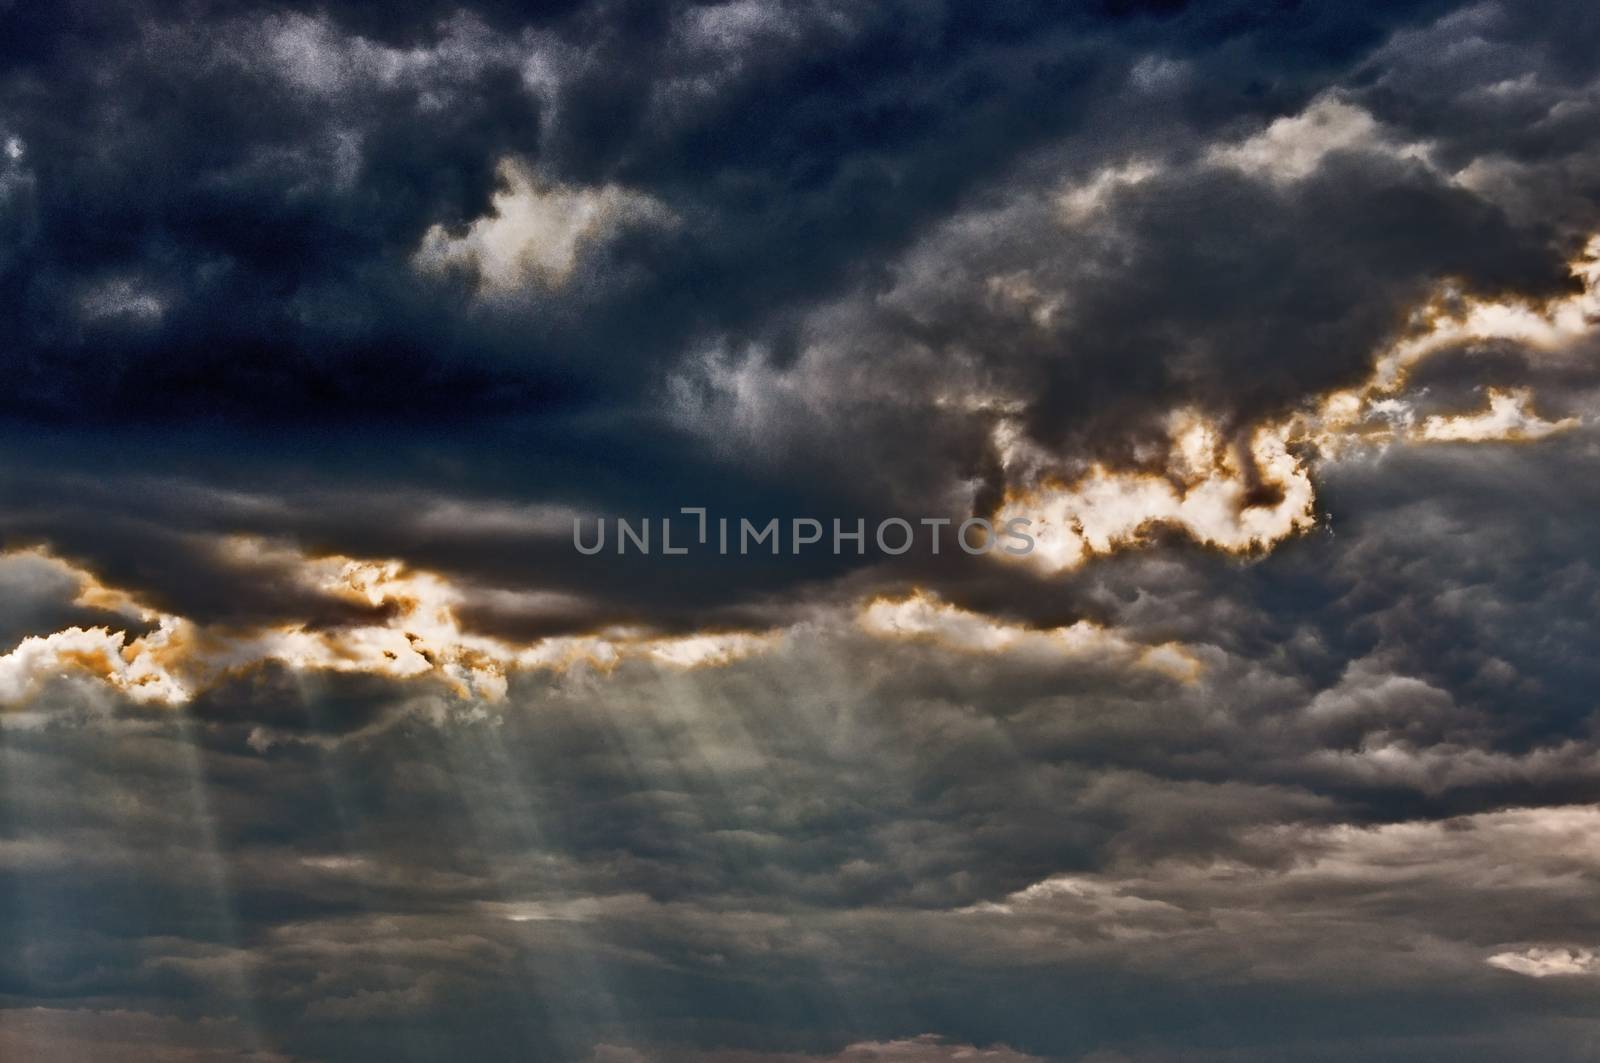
{"x": 1276, "y": 324}
{"x": 1508, "y": 417}
{"x": 419, "y": 635}
{"x": 535, "y": 233}
{"x": 1293, "y": 147}
{"x": 1536, "y": 962}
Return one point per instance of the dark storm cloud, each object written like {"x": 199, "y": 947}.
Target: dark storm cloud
{"x": 1202, "y": 287}
{"x": 835, "y": 247}
{"x": 849, "y": 841}
{"x": 215, "y": 222}
{"x": 222, "y": 227}
{"x": 41, "y": 596}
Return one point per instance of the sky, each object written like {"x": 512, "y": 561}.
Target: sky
{"x": 331, "y": 331}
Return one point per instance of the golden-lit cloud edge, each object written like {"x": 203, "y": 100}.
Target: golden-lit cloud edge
{"x": 1245, "y": 496}
{"x": 419, "y": 634}
{"x": 1236, "y": 496}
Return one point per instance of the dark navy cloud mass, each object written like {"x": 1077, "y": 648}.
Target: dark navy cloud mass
{"x": 321, "y": 323}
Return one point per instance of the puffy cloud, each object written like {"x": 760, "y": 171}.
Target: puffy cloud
{"x": 536, "y": 233}
{"x": 419, "y": 635}
{"x": 1536, "y": 962}
{"x": 1223, "y": 498}
{"x": 135, "y": 670}
{"x": 1293, "y": 147}
{"x": 926, "y": 618}
{"x": 1510, "y": 416}
{"x": 323, "y": 325}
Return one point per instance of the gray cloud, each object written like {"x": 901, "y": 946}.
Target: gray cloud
{"x": 292, "y": 289}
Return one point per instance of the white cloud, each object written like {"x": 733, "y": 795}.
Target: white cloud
{"x": 923, "y": 617}
{"x": 1207, "y": 494}
{"x": 121, "y": 298}
{"x": 1510, "y": 416}
{"x": 135, "y": 669}
{"x": 423, "y": 636}
{"x": 1548, "y": 962}
{"x": 1292, "y": 148}
{"x": 1082, "y": 201}
{"x": 1304, "y": 899}
{"x": 537, "y": 231}
{"x": 312, "y": 54}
